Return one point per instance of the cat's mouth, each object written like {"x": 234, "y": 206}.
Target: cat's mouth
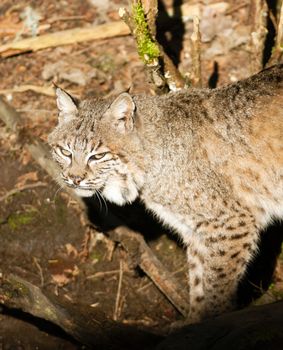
{"x": 81, "y": 191}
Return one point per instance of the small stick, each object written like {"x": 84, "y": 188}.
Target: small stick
{"x": 196, "y": 54}
{"x": 45, "y": 90}
{"x": 118, "y": 297}
{"x": 236, "y": 8}
{"x": 258, "y": 34}
{"x": 278, "y": 48}
{"x": 65, "y": 18}
{"x": 103, "y": 274}
{"x": 35, "y": 260}
{"x": 65, "y": 37}
{"x": 22, "y": 188}
{"x": 279, "y": 39}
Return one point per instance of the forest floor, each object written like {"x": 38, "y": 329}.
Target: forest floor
{"x": 44, "y": 237}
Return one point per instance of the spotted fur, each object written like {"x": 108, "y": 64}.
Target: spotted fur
{"x": 207, "y": 163}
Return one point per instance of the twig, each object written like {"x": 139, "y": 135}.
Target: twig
{"x": 65, "y": 37}
{"x": 259, "y": 13}
{"x": 66, "y": 18}
{"x": 236, "y": 8}
{"x": 278, "y": 48}
{"x": 45, "y": 90}
{"x": 39, "y": 270}
{"x": 118, "y": 296}
{"x": 22, "y": 188}
{"x": 196, "y": 55}
{"x": 148, "y": 284}
{"x": 103, "y": 274}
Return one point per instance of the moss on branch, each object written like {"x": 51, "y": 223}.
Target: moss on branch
{"x": 148, "y": 49}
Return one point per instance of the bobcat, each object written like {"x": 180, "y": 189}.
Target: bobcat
{"x": 207, "y": 163}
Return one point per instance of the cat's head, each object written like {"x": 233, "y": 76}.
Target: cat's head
{"x": 97, "y": 147}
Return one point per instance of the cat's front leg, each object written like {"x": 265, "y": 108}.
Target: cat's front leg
{"x": 218, "y": 254}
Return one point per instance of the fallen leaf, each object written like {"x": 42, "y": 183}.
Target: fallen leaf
{"x": 25, "y": 157}
{"x": 60, "y": 279}
{"x": 71, "y": 250}
{"x": 23, "y": 179}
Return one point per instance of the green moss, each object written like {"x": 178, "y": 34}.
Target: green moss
{"x": 147, "y": 48}
{"x": 95, "y": 256}
{"x": 16, "y": 220}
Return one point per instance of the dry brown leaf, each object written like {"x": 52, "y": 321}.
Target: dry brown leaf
{"x": 23, "y": 179}
{"x": 72, "y": 272}
{"x": 71, "y": 250}
{"x": 60, "y": 279}
{"x": 10, "y": 25}
{"x": 25, "y": 157}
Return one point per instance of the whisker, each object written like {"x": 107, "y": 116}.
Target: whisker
{"x": 57, "y": 191}
{"x": 97, "y": 196}
{"x": 104, "y": 201}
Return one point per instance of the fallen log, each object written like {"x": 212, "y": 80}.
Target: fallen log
{"x": 87, "y": 325}
{"x": 258, "y": 327}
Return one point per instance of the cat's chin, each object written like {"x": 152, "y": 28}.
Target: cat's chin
{"x": 83, "y": 192}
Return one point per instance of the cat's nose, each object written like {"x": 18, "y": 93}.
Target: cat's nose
{"x": 77, "y": 180}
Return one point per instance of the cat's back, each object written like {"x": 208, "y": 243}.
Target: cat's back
{"x": 247, "y": 114}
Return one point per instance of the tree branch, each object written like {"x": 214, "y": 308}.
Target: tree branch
{"x": 195, "y": 75}
{"x": 259, "y": 12}
{"x": 278, "y": 48}
{"x": 142, "y": 23}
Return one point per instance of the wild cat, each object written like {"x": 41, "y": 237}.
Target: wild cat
{"x": 207, "y": 163}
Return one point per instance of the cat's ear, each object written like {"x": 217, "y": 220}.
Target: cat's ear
{"x": 121, "y": 113}
{"x": 67, "y": 106}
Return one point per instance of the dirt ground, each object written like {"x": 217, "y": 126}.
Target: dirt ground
{"x": 43, "y": 235}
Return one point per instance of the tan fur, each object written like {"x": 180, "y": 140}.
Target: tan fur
{"x": 208, "y": 163}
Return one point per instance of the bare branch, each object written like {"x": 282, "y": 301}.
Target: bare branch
{"x": 196, "y": 55}
{"x": 22, "y": 188}
{"x": 278, "y": 48}
{"x": 65, "y": 37}
{"x": 259, "y": 13}
{"x": 142, "y": 24}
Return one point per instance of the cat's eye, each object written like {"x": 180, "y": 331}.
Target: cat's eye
{"x": 65, "y": 152}
{"x": 97, "y": 156}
